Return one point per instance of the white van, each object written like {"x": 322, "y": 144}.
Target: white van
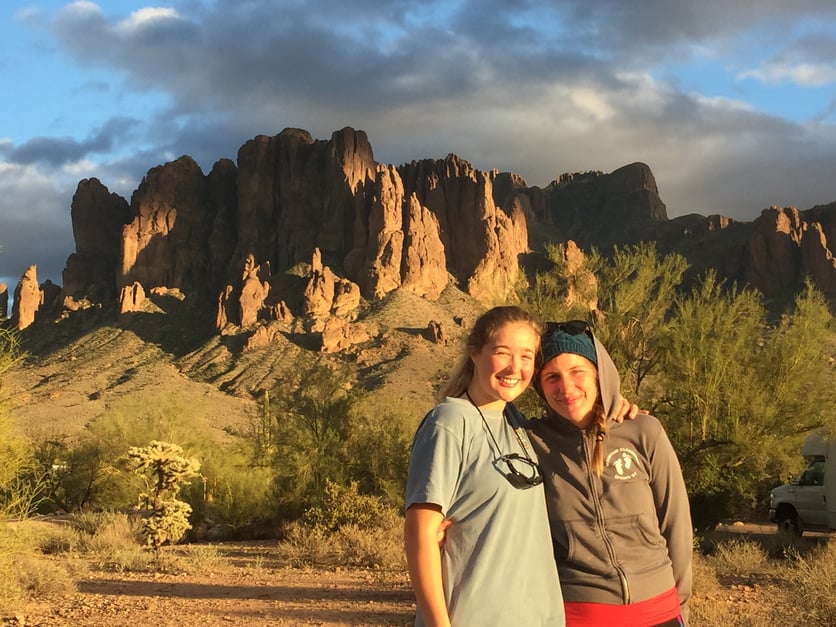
{"x": 809, "y": 502}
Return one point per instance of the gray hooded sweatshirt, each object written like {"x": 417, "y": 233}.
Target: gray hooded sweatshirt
{"x": 625, "y": 536}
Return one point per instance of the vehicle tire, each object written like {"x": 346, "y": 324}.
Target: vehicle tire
{"x": 787, "y": 521}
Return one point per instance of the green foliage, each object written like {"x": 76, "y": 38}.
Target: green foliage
{"x": 164, "y": 468}
{"x": 21, "y": 483}
{"x": 25, "y": 572}
{"x": 133, "y": 421}
{"x": 231, "y": 491}
{"x": 342, "y": 507}
{"x": 635, "y": 292}
{"x": 741, "y": 557}
{"x": 347, "y": 528}
{"x": 86, "y": 471}
{"x": 11, "y": 349}
{"x": 316, "y": 430}
{"x": 813, "y": 582}
{"x": 736, "y": 394}
{"x": 379, "y": 446}
{"x": 739, "y": 395}
{"x": 81, "y": 473}
{"x": 21, "y": 486}
{"x": 306, "y": 435}
{"x": 562, "y": 292}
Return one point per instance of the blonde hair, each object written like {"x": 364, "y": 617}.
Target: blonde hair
{"x": 484, "y": 329}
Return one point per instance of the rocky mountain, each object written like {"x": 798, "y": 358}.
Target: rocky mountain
{"x": 206, "y": 290}
{"x": 302, "y": 232}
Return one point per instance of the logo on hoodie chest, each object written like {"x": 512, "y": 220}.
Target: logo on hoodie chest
{"x": 624, "y": 463}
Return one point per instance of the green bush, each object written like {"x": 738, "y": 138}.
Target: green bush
{"x": 343, "y": 506}
{"x": 232, "y": 493}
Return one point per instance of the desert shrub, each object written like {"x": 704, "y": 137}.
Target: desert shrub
{"x": 95, "y": 523}
{"x": 88, "y": 471}
{"x": 318, "y": 428}
{"x": 58, "y": 539}
{"x": 342, "y": 506}
{"x": 380, "y": 547}
{"x": 232, "y": 493}
{"x": 112, "y": 541}
{"x": 21, "y": 482}
{"x": 81, "y": 472}
{"x": 303, "y": 545}
{"x": 346, "y": 528}
{"x": 732, "y": 439}
{"x": 197, "y": 558}
{"x": 740, "y": 558}
{"x": 812, "y": 580}
{"x": 379, "y": 446}
{"x": 303, "y": 435}
{"x": 25, "y": 573}
{"x": 705, "y": 581}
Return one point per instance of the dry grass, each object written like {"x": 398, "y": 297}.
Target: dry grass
{"x": 738, "y": 581}
{"x": 28, "y": 570}
{"x": 765, "y": 580}
{"x": 350, "y": 546}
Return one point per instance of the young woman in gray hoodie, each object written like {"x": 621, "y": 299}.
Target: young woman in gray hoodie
{"x": 617, "y": 505}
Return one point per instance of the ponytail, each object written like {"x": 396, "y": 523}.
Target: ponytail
{"x": 599, "y": 429}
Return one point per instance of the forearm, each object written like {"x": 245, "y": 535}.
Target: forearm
{"x": 423, "y": 558}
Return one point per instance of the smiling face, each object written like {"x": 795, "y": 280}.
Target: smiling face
{"x": 503, "y": 367}
{"x": 570, "y": 387}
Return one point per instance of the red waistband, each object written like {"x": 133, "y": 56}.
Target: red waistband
{"x": 653, "y": 611}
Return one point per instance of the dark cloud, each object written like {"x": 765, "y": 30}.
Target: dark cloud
{"x": 34, "y": 225}
{"x": 58, "y": 151}
{"x": 535, "y": 87}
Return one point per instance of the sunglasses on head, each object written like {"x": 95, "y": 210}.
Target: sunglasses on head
{"x": 572, "y": 327}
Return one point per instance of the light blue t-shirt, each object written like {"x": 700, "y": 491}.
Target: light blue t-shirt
{"x": 497, "y": 562}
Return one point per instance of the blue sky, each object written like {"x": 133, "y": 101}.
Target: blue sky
{"x": 732, "y": 105}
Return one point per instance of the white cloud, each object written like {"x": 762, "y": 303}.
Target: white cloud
{"x": 146, "y": 17}
{"x": 804, "y": 74}
{"x": 82, "y": 8}
{"x": 724, "y": 103}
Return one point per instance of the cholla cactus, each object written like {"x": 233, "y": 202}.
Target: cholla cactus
{"x": 164, "y": 468}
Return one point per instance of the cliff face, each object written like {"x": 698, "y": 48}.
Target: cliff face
{"x": 347, "y": 226}
{"x": 289, "y": 199}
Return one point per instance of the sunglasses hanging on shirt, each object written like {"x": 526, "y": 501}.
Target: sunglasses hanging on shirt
{"x": 521, "y": 471}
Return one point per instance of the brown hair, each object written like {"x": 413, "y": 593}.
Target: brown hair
{"x": 487, "y": 325}
{"x": 599, "y": 428}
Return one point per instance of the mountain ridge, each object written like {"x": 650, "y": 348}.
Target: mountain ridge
{"x": 310, "y": 247}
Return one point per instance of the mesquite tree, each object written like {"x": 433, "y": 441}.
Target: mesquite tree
{"x": 164, "y": 468}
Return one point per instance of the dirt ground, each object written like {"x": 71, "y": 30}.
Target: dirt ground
{"x": 245, "y": 587}
{"x": 247, "y": 584}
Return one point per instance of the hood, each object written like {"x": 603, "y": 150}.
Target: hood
{"x": 608, "y": 379}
